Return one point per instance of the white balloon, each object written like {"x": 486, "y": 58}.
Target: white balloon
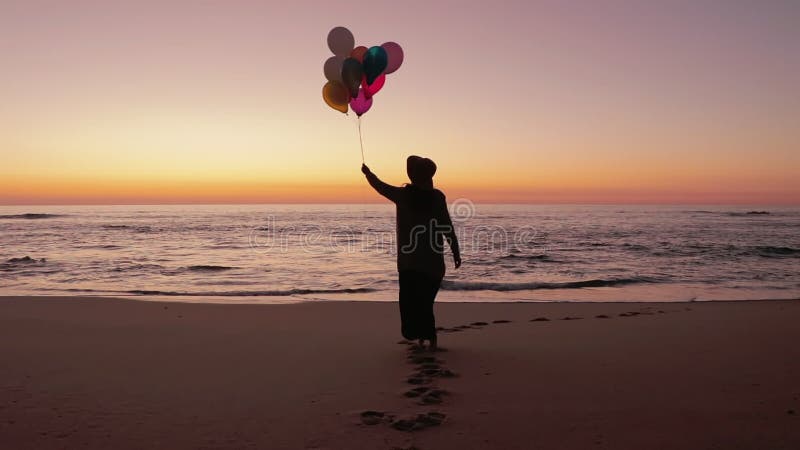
{"x": 341, "y": 41}
{"x": 333, "y": 68}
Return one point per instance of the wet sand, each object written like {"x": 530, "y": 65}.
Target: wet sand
{"x": 108, "y": 373}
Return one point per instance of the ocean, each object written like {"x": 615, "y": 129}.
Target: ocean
{"x": 290, "y": 253}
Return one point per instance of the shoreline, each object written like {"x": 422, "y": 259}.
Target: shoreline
{"x": 292, "y": 300}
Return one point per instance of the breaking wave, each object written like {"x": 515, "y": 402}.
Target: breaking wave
{"x": 31, "y": 216}
{"x": 505, "y": 287}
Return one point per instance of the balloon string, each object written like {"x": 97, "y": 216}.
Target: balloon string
{"x": 360, "y": 140}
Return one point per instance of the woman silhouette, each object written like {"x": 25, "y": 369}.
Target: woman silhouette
{"x": 423, "y": 223}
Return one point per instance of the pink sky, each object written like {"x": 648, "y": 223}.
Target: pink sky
{"x": 219, "y": 101}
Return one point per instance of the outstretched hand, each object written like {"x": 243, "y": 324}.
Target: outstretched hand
{"x": 365, "y": 170}
{"x": 457, "y": 260}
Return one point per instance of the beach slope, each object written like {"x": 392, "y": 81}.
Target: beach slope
{"x": 123, "y": 374}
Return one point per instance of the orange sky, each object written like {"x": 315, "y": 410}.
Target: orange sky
{"x": 215, "y": 102}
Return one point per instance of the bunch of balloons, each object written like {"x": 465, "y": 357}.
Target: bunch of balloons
{"x": 356, "y": 74}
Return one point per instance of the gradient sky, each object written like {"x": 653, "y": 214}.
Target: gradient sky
{"x": 220, "y": 101}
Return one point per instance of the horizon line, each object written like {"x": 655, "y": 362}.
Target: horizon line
{"x": 378, "y": 202}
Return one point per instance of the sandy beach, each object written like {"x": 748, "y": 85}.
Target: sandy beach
{"x": 105, "y": 373}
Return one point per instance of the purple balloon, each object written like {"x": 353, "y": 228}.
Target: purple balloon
{"x": 361, "y": 104}
{"x": 395, "y": 55}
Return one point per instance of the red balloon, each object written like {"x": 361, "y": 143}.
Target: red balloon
{"x": 358, "y": 53}
{"x": 372, "y": 89}
{"x": 394, "y": 54}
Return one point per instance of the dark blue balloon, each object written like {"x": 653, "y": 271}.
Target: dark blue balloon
{"x": 352, "y": 72}
{"x": 375, "y": 62}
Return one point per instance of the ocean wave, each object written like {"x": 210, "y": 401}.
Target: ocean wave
{"x": 636, "y": 247}
{"x": 206, "y": 268}
{"x": 31, "y": 216}
{"x": 134, "y": 228}
{"x": 730, "y": 251}
{"x": 25, "y": 266}
{"x": 505, "y": 287}
{"x": 101, "y": 247}
{"x": 748, "y": 213}
{"x": 538, "y": 257}
{"x": 137, "y": 267}
{"x": 25, "y": 260}
{"x": 225, "y": 246}
{"x": 770, "y": 251}
{"x": 268, "y": 293}
{"x": 213, "y": 282}
{"x": 167, "y": 271}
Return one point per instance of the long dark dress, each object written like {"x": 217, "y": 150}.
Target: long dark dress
{"x": 423, "y": 224}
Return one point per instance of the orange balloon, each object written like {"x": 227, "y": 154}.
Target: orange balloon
{"x": 336, "y": 96}
{"x": 358, "y": 53}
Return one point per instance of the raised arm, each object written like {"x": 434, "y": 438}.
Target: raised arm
{"x": 386, "y": 190}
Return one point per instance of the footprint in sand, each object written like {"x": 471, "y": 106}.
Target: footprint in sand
{"x": 421, "y": 359}
{"x": 432, "y": 397}
{"x": 423, "y": 376}
{"x": 446, "y": 373}
{"x": 429, "y": 365}
{"x": 373, "y": 417}
{"x": 416, "y": 392}
{"x": 415, "y": 349}
{"x": 419, "y": 422}
{"x": 428, "y": 368}
{"x": 430, "y": 419}
{"x": 429, "y": 372}
{"x": 418, "y": 380}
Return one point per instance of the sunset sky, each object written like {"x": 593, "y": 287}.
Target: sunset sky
{"x": 220, "y": 101}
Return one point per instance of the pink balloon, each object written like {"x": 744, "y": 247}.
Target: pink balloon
{"x": 395, "y": 55}
{"x": 372, "y": 89}
{"x": 361, "y": 104}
